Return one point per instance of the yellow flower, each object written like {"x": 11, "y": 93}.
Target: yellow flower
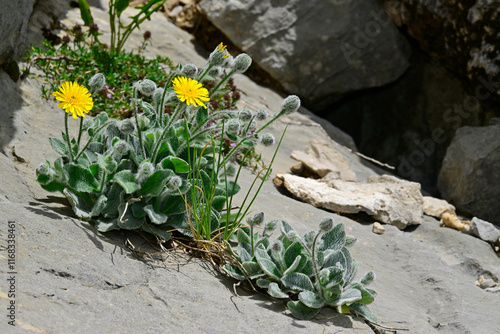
{"x": 223, "y": 48}
{"x": 190, "y": 91}
{"x": 74, "y": 98}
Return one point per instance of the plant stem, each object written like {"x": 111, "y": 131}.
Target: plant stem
{"x": 137, "y": 123}
{"x": 80, "y": 132}
{"x": 90, "y": 140}
{"x": 221, "y": 82}
{"x": 67, "y": 137}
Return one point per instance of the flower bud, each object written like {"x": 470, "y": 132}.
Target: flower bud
{"x": 256, "y": 219}
{"x": 267, "y": 139}
{"x": 216, "y": 58}
{"x": 189, "y": 70}
{"x": 121, "y": 147}
{"x": 174, "y": 183}
{"x": 290, "y": 105}
{"x": 293, "y": 236}
{"x": 309, "y": 238}
{"x": 242, "y": 62}
{"x": 228, "y": 62}
{"x": 126, "y": 126}
{"x": 146, "y": 168}
{"x": 368, "y": 278}
{"x": 277, "y": 246}
{"x": 245, "y": 115}
{"x": 326, "y": 225}
{"x": 44, "y": 168}
{"x": 97, "y": 82}
{"x": 215, "y": 72}
{"x": 261, "y": 114}
{"x": 158, "y": 95}
{"x": 147, "y": 87}
{"x": 233, "y": 126}
{"x": 271, "y": 225}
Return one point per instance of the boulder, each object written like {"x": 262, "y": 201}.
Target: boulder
{"x": 336, "y": 47}
{"x": 463, "y": 36}
{"x": 14, "y": 18}
{"x": 385, "y": 198}
{"x": 469, "y": 175}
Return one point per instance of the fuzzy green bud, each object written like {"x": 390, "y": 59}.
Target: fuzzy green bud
{"x": 293, "y": 236}
{"x": 309, "y": 238}
{"x": 290, "y": 105}
{"x": 44, "y": 168}
{"x": 267, "y": 139}
{"x": 146, "y": 168}
{"x": 261, "y": 114}
{"x": 368, "y": 278}
{"x": 326, "y": 225}
{"x": 277, "y": 246}
{"x": 97, "y": 82}
{"x": 215, "y": 72}
{"x": 233, "y": 126}
{"x": 216, "y": 58}
{"x": 189, "y": 70}
{"x": 126, "y": 126}
{"x": 242, "y": 62}
{"x": 271, "y": 225}
{"x": 121, "y": 147}
{"x": 230, "y": 169}
{"x": 174, "y": 183}
{"x": 245, "y": 114}
{"x": 256, "y": 219}
{"x": 144, "y": 122}
{"x": 228, "y": 62}
{"x": 147, "y": 87}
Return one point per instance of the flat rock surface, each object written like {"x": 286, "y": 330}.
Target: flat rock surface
{"x": 71, "y": 279}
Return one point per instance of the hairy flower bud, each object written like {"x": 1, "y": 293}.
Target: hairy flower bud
{"x": 126, "y": 126}
{"x": 277, "y": 246}
{"x": 261, "y": 114}
{"x": 215, "y": 72}
{"x": 228, "y": 62}
{"x": 189, "y": 70}
{"x": 368, "y": 278}
{"x": 267, "y": 139}
{"x": 44, "y": 168}
{"x": 245, "y": 114}
{"x": 242, "y": 62}
{"x": 97, "y": 82}
{"x": 174, "y": 183}
{"x": 326, "y": 224}
{"x": 216, "y": 58}
{"x": 233, "y": 126}
{"x": 147, "y": 87}
{"x": 309, "y": 238}
{"x": 256, "y": 219}
{"x": 121, "y": 147}
{"x": 271, "y": 225}
{"x": 290, "y": 105}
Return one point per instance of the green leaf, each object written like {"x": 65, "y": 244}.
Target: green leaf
{"x": 347, "y": 297}
{"x": 366, "y": 296}
{"x": 155, "y": 217}
{"x": 81, "y": 208}
{"x": 297, "y": 282}
{"x": 99, "y": 205}
{"x": 158, "y": 230}
{"x": 292, "y": 252}
{"x": 232, "y": 187}
{"x": 293, "y": 266}
{"x": 274, "y": 291}
{"x": 218, "y": 202}
{"x": 234, "y": 272}
{"x": 106, "y": 224}
{"x": 248, "y": 143}
{"x": 263, "y": 283}
{"x": 242, "y": 236}
{"x": 127, "y": 180}
{"x": 311, "y": 299}
{"x": 155, "y": 184}
{"x": 368, "y": 277}
{"x": 334, "y": 258}
{"x": 301, "y": 311}
{"x": 53, "y": 186}
{"x": 201, "y": 115}
{"x": 107, "y": 163}
{"x": 128, "y": 220}
{"x": 179, "y": 165}
{"x": 59, "y": 146}
{"x": 334, "y": 239}
{"x": 329, "y": 277}
{"x": 115, "y": 198}
{"x": 350, "y": 240}
{"x": 267, "y": 264}
{"x": 80, "y": 179}
{"x": 245, "y": 251}
{"x": 173, "y": 205}
{"x": 253, "y": 269}
{"x": 363, "y": 311}
{"x": 85, "y": 12}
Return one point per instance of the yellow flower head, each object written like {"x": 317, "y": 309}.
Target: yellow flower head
{"x": 223, "y": 48}
{"x": 74, "y": 98}
{"x": 190, "y": 91}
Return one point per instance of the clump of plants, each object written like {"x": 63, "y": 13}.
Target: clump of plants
{"x": 80, "y": 54}
{"x": 312, "y": 272}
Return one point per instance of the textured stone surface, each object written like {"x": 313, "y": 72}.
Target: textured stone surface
{"x": 435, "y": 207}
{"x": 72, "y": 279}
{"x": 485, "y": 230}
{"x": 385, "y": 198}
{"x": 14, "y": 18}
{"x": 319, "y": 50}
{"x": 461, "y": 35}
{"x": 470, "y": 171}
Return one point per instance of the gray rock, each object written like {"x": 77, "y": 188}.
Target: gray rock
{"x": 336, "y": 47}
{"x": 385, "y": 198}
{"x": 14, "y": 18}
{"x": 470, "y": 171}
{"x": 484, "y": 230}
